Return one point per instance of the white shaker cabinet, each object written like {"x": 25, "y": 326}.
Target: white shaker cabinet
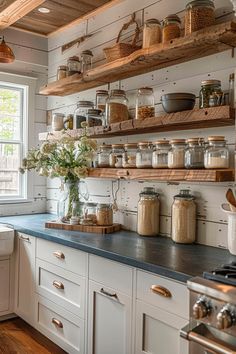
{"x": 4, "y": 290}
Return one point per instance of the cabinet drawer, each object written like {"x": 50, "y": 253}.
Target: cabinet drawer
{"x": 60, "y": 286}
{"x": 62, "y": 327}
{"x": 62, "y": 256}
{"x": 112, "y": 274}
{"x": 177, "y": 303}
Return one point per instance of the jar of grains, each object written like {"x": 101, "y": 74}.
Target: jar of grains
{"x": 199, "y": 14}
{"x": 129, "y": 155}
{"x": 104, "y": 214}
{"x": 148, "y": 213}
{"x": 73, "y": 64}
{"x": 90, "y": 212}
{"x": 62, "y": 72}
{"x": 104, "y": 155}
{"x": 101, "y": 97}
{"x": 194, "y": 154}
{"x": 160, "y": 154}
{"x": 151, "y": 32}
{"x": 115, "y": 159}
{"x": 117, "y": 107}
{"x": 217, "y": 153}
{"x": 145, "y": 107}
{"x": 144, "y": 155}
{"x": 171, "y": 28}
{"x": 184, "y": 218}
{"x": 176, "y": 155}
{"x": 209, "y": 88}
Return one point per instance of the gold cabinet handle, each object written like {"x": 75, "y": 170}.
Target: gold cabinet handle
{"x": 24, "y": 238}
{"x": 160, "y": 290}
{"x": 59, "y": 254}
{"x": 57, "y": 323}
{"x": 58, "y": 285}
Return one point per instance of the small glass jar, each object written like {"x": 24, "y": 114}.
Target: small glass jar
{"x": 104, "y": 215}
{"x": 151, "y": 32}
{"x": 199, "y": 14}
{"x": 171, "y": 28}
{"x": 176, "y": 155}
{"x": 104, "y": 155}
{"x": 90, "y": 212}
{"x": 144, "y": 155}
{"x": 58, "y": 121}
{"x": 184, "y": 218}
{"x": 68, "y": 122}
{"x": 145, "y": 106}
{"x": 62, "y": 72}
{"x": 208, "y": 88}
{"x": 81, "y": 113}
{"x": 94, "y": 118}
{"x": 148, "y": 213}
{"x": 160, "y": 154}
{"x": 129, "y": 156}
{"x": 216, "y": 153}
{"x": 116, "y": 154}
{"x": 117, "y": 107}
{"x": 73, "y": 64}
{"x": 86, "y": 60}
{"x": 194, "y": 154}
{"x": 101, "y": 97}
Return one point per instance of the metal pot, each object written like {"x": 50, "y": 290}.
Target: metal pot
{"x": 177, "y": 102}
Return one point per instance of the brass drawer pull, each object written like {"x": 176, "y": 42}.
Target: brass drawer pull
{"x": 59, "y": 254}
{"x": 57, "y": 323}
{"x": 24, "y": 238}
{"x": 160, "y": 290}
{"x": 58, "y": 285}
{"x": 108, "y": 294}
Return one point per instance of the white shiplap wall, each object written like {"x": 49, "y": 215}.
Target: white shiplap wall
{"x": 31, "y": 54}
{"x": 212, "y": 223}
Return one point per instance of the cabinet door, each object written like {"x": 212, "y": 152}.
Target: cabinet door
{"x": 157, "y": 331}
{"x": 109, "y": 321}
{"x": 25, "y": 279}
{"x": 4, "y": 290}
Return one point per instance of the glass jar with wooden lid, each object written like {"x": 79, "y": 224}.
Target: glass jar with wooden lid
{"x": 129, "y": 155}
{"x": 217, "y": 153}
{"x": 194, "y": 154}
{"x": 81, "y": 113}
{"x": 171, "y": 28}
{"x": 176, "y": 154}
{"x": 145, "y": 107}
{"x": 62, "y": 72}
{"x": 199, "y": 14}
{"x": 117, "y": 107}
{"x": 86, "y": 60}
{"x": 152, "y": 32}
{"x": 104, "y": 215}
{"x": 73, "y": 64}
{"x": 208, "y": 88}
{"x": 115, "y": 159}
{"x": 148, "y": 212}
{"x": 101, "y": 97}
{"x": 104, "y": 155}
{"x": 144, "y": 155}
{"x": 160, "y": 154}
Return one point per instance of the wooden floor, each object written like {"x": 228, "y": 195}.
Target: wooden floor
{"x": 17, "y": 337}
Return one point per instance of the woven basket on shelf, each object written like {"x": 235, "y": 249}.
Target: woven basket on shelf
{"x": 120, "y": 50}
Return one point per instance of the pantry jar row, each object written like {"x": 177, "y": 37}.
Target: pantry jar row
{"x": 193, "y": 153}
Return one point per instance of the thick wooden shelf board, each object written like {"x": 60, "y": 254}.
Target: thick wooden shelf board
{"x": 207, "y": 41}
{"x": 194, "y": 119}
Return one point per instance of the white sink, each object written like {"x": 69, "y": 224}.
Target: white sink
{"x": 6, "y": 241}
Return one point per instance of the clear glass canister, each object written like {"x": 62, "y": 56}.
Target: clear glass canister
{"x": 194, "y": 154}
{"x": 81, "y": 113}
{"x": 68, "y": 121}
{"x": 117, "y": 107}
{"x": 160, "y": 154}
{"x": 86, "y": 60}
{"x": 104, "y": 214}
{"x": 116, "y": 154}
{"x": 152, "y": 32}
{"x": 199, "y": 14}
{"x": 209, "y": 88}
{"x": 73, "y": 64}
{"x": 176, "y": 155}
{"x": 144, "y": 155}
{"x": 94, "y": 117}
{"x": 58, "y": 121}
{"x": 145, "y": 107}
{"x": 90, "y": 212}
{"x": 129, "y": 156}
{"x": 184, "y": 218}
{"x": 171, "y": 28}
{"x": 101, "y": 97}
{"x": 148, "y": 212}
{"x": 104, "y": 156}
{"x": 216, "y": 153}
{"x": 62, "y": 72}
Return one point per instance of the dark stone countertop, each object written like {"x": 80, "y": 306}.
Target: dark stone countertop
{"x": 155, "y": 254}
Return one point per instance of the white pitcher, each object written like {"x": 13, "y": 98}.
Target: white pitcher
{"x": 231, "y": 228}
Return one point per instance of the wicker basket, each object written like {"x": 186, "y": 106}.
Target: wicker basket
{"x": 120, "y": 50}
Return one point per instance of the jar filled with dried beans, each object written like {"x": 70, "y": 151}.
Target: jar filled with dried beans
{"x": 148, "y": 212}
{"x": 176, "y": 155}
{"x": 199, "y": 14}
{"x": 145, "y": 107}
{"x": 117, "y": 107}
{"x": 152, "y": 32}
{"x": 171, "y": 28}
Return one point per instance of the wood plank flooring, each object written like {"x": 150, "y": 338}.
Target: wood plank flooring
{"x": 17, "y": 337}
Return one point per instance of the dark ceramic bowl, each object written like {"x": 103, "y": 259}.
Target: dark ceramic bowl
{"x": 177, "y": 102}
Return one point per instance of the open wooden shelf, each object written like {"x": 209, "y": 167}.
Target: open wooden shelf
{"x": 225, "y": 175}
{"x": 194, "y": 119}
{"x": 207, "y": 41}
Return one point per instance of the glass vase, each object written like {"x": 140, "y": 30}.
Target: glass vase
{"x": 68, "y": 203}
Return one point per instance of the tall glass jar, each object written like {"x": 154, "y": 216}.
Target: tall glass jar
{"x": 90, "y": 212}
{"x": 160, "y": 154}
{"x": 144, "y": 155}
{"x": 199, "y": 14}
{"x": 101, "y": 97}
{"x": 145, "y": 106}
{"x": 151, "y": 32}
{"x": 129, "y": 155}
{"x": 115, "y": 159}
{"x": 117, "y": 107}
{"x": 171, "y": 28}
{"x": 70, "y": 195}
{"x": 86, "y": 60}
{"x": 217, "y": 153}
{"x": 208, "y": 88}
{"x": 58, "y": 121}
{"x": 81, "y": 113}
{"x": 148, "y": 212}
{"x": 194, "y": 154}
{"x": 184, "y": 218}
{"x": 104, "y": 156}
{"x": 104, "y": 214}
{"x": 73, "y": 64}
{"x": 176, "y": 155}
